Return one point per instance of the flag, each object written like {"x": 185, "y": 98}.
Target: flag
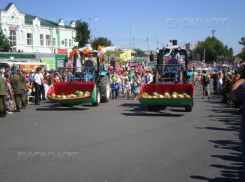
{"x": 126, "y": 56}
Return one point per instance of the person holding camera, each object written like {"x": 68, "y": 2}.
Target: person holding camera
{"x": 237, "y": 92}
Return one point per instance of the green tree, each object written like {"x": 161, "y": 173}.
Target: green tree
{"x": 242, "y": 42}
{"x": 230, "y": 52}
{"x": 139, "y": 51}
{"x": 4, "y": 43}
{"x": 102, "y": 41}
{"x": 242, "y": 55}
{"x": 82, "y": 33}
{"x": 213, "y": 48}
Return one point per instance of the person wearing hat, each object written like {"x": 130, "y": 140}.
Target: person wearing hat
{"x": 3, "y": 91}
{"x": 17, "y": 90}
{"x": 23, "y": 88}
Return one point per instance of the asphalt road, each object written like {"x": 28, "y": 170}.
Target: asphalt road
{"x": 121, "y": 141}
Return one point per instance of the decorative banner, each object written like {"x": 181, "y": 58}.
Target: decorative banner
{"x": 29, "y": 67}
{"x": 126, "y": 56}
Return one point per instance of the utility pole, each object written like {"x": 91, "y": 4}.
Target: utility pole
{"x": 130, "y": 34}
{"x": 213, "y": 31}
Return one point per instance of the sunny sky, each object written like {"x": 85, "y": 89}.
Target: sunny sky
{"x": 186, "y": 21}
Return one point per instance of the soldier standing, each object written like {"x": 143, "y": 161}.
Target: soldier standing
{"x": 60, "y": 77}
{"x": 17, "y": 90}
{"x": 3, "y": 91}
{"x": 23, "y": 88}
{"x": 51, "y": 78}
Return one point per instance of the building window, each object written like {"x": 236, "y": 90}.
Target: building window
{"x": 47, "y": 40}
{"x": 41, "y": 39}
{"x": 65, "y": 42}
{"x": 54, "y": 42}
{"x": 12, "y": 38}
{"x": 29, "y": 39}
{"x": 69, "y": 42}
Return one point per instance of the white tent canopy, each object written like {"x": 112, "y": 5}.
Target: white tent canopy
{"x": 119, "y": 49}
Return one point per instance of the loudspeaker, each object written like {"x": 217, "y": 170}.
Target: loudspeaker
{"x": 174, "y": 42}
{"x": 113, "y": 63}
{"x": 151, "y": 57}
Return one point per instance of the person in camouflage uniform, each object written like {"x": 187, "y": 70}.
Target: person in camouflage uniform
{"x": 3, "y": 91}
{"x": 23, "y": 88}
{"x": 51, "y": 78}
{"x": 17, "y": 90}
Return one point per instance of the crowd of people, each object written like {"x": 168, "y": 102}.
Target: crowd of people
{"x": 20, "y": 88}
{"x": 128, "y": 82}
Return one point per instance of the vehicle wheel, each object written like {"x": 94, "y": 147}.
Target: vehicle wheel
{"x": 151, "y": 108}
{"x": 188, "y": 108}
{"x": 105, "y": 88}
{"x": 98, "y": 97}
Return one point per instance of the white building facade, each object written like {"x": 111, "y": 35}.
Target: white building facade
{"x": 33, "y": 34}
{"x": 191, "y": 46}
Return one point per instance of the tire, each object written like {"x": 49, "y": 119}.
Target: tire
{"x": 188, "y": 108}
{"x": 105, "y": 88}
{"x": 151, "y": 108}
{"x": 98, "y": 97}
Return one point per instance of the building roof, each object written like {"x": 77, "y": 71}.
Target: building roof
{"x": 29, "y": 18}
{"x": 8, "y": 6}
{"x": 43, "y": 22}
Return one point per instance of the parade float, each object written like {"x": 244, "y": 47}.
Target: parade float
{"x": 84, "y": 77}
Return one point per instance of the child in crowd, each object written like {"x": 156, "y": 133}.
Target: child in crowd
{"x": 114, "y": 88}
{"x": 136, "y": 87}
{"x": 127, "y": 87}
{"x": 9, "y": 96}
{"x": 28, "y": 92}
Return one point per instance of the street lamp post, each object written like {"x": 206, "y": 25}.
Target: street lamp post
{"x": 148, "y": 38}
{"x": 90, "y": 32}
{"x": 157, "y": 41}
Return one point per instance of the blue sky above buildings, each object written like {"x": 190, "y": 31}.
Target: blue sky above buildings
{"x": 185, "y": 21}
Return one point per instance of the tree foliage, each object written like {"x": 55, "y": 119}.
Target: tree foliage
{"x": 4, "y": 43}
{"x": 213, "y": 47}
{"x": 139, "y": 51}
{"x": 242, "y": 41}
{"x": 242, "y": 55}
{"x": 228, "y": 52}
{"x": 82, "y": 33}
{"x": 102, "y": 41}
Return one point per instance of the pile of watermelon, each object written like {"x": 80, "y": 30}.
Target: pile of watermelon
{"x": 166, "y": 95}
{"x": 77, "y": 94}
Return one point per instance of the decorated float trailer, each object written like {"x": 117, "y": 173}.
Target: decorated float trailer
{"x": 172, "y": 76}
{"x": 84, "y": 76}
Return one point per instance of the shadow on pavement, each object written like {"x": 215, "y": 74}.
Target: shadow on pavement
{"x": 154, "y": 114}
{"x": 231, "y": 122}
{"x": 137, "y": 109}
{"x": 58, "y": 107}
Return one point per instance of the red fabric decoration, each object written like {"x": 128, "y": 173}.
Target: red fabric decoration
{"x": 67, "y": 88}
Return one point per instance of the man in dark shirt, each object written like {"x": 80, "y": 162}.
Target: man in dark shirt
{"x": 224, "y": 86}
{"x": 215, "y": 81}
